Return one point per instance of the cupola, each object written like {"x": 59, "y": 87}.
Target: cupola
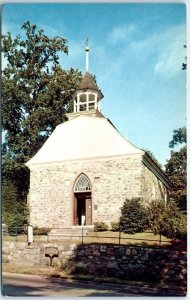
{"x": 86, "y": 99}
{"x": 87, "y": 96}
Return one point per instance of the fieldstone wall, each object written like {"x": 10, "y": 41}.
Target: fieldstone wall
{"x": 152, "y": 187}
{"x": 20, "y": 254}
{"x": 132, "y": 262}
{"x": 113, "y": 180}
{"x": 121, "y": 261}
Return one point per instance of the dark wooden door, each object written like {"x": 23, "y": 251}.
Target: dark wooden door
{"x": 88, "y": 210}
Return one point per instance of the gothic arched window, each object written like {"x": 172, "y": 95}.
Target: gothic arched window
{"x": 82, "y": 184}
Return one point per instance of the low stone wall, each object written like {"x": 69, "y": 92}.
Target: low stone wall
{"x": 20, "y": 254}
{"x": 132, "y": 262}
{"x": 129, "y": 262}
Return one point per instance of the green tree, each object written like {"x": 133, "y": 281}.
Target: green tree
{"x": 179, "y": 137}
{"x": 35, "y": 90}
{"x": 14, "y": 213}
{"x": 36, "y": 94}
{"x": 134, "y": 216}
{"x": 176, "y": 168}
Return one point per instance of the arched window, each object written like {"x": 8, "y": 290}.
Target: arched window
{"x": 82, "y": 184}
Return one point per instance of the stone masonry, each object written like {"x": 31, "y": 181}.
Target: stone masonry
{"x": 113, "y": 179}
{"x": 122, "y": 261}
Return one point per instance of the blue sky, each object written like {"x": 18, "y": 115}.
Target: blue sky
{"x": 136, "y": 53}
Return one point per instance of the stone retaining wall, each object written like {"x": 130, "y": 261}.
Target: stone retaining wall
{"x": 132, "y": 262}
{"x": 129, "y": 262}
{"x": 20, "y": 254}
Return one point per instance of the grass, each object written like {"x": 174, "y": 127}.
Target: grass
{"x": 143, "y": 238}
{"x": 108, "y": 237}
{"x": 23, "y": 238}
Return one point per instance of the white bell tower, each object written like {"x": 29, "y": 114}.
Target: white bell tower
{"x": 86, "y": 99}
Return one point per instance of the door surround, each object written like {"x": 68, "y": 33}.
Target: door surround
{"x": 82, "y": 201}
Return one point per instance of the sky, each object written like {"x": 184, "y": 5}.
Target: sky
{"x": 136, "y": 53}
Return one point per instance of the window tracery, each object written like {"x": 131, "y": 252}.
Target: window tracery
{"x": 82, "y": 184}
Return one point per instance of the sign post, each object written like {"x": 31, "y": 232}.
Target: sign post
{"x": 30, "y": 234}
{"x": 51, "y": 252}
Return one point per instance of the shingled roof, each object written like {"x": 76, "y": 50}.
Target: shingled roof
{"x": 87, "y": 83}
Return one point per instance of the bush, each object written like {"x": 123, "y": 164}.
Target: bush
{"x": 169, "y": 221}
{"x": 41, "y": 230}
{"x": 100, "y": 226}
{"x": 115, "y": 226}
{"x": 134, "y": 216}
{"x": 174, "y": 222}
{"x": 156, "y": 211}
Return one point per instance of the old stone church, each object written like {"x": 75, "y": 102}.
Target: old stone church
{"x": 86, "y": 169}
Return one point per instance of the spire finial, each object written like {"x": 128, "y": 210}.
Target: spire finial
{"x": 87, "y": 50}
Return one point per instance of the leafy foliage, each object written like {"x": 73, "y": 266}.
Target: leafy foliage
{"x": 36, "y": 94}
{"x": 176, "y": 169}
{"x": 115, "y": 226}
{"x": 100, "y": 226}
{"x": 134, "y": 216}
{"x": 41, "y": 230}
{"x": 14, "y": 213}
{"x": 35, "y": 90}
{"x": 179, "y": 137}
{"x": 174, "y": 222}
{"x": 169, "y": 221}
{"x": 156, "y": 211}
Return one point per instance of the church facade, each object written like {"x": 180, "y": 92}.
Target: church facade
{"x": 86, "y": 169}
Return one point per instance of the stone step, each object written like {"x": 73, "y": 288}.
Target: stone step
{"x": 71, "y": 232}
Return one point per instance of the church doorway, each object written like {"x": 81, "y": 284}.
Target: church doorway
{"x": 83, "y": 209}
{"x": 82, "y": 201}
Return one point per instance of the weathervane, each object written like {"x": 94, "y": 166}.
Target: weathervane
{"x": 87, "y": 50}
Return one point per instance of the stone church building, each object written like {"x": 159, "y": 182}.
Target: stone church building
{"x": 86, "y": 169}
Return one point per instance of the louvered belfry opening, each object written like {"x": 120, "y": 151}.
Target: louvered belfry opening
{"x": 82, "y": 201}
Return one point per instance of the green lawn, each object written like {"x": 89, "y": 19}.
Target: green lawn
{"x": 141, "y": 239}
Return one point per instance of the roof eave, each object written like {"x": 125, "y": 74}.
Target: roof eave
{"x": 151, "y": 165}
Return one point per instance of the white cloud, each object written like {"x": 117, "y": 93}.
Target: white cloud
{"x": 172, "y": 53}
{"x": 121, "y": 33}
{"x": 163, "y": 51}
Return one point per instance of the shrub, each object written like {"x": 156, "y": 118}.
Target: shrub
{"x": 134, "y": 216}
{"x": 156, "y": 211}
{"x": 41, "y": 230}
{"x": 100, "y": 226}
{"x": 174, "y": 222}
{"x": 169, "y": 221}
{"x": 115, "y": 226}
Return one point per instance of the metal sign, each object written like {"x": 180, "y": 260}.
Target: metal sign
{"x": 52, "y": 251}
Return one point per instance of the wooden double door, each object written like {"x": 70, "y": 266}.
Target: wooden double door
{"x": 82, "y": 209}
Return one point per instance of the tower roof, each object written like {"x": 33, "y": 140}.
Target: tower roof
{"x": 87, "y": 83}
